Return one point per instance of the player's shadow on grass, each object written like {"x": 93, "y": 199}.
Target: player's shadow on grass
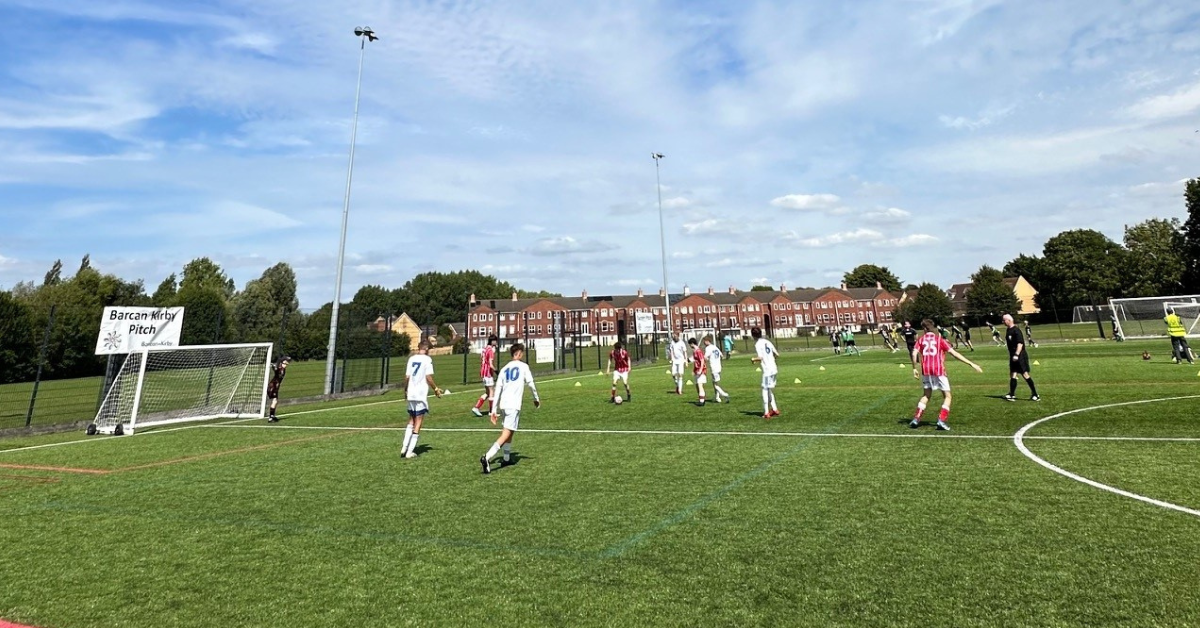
{"x": 753, "y": 414}
{"x": 421, "y": 449}
{"x": 516, "y": 457}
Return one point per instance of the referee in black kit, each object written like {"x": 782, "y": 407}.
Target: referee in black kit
{"x": 1018, "y": 360}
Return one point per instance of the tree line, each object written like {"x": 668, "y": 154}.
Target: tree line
{"x": 264, "y": 310}
{"x": 1156, "y": 257}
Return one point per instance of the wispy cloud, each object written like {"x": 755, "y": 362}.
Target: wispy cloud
{"x": 828, "y": 203}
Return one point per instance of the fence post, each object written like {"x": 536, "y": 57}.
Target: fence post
{"x": 41, "y": 362}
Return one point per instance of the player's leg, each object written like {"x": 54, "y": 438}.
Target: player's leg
{"x": 1028, "y": 380}
{"x": 505, "y": 438}
{"x": 625, "y": 381}
{"x": 700, "y": 388}
{"x": 1186, "y": 351}
{"x": 766, "y": 398}
{"x": 717, "y": 387}
{"x": 944, "y": 413}
{"x": 1012, "y": 385}
{"x": 613, "y": 393}
{"x": 408, "y": 433}
{"x": 410, "y": 450}
{"x": 926, "y": 393}
{"x": 273, "y": 395}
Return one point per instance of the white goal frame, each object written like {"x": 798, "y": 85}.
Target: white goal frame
{"x": 119, "y": 425}
{"x": 1133, "y": 322}
{"x": 1192, "y": 330}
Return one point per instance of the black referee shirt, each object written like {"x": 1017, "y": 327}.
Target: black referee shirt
{"x": 1014, "y": 338}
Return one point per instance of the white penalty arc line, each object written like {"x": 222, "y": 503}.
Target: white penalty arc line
{"x": 1019, "y": 440}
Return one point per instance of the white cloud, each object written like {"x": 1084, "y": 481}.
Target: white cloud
{"x": 682, "y": 254}
{"x": 567, "y": 245}
{"x": 986, "y": 118}
{"x": 889, "y": 214}
{"x": 676, "y": 202}
{"x": 830, "y": 203}
{"x": 916, "y": 239}
{"x": 373, "y": 269}
{"x": 1182, "y": 102}
{"x": 724, "y": 262}
{"x": 632, "y": 283}
{"x": 833, "y": 239}
{"x": 706, "y": 226}
{"x": 7, "y": 261}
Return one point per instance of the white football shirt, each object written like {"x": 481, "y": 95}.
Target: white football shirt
{"x": 765, "y": 350}
{"x": 510, "y": 386}
{"x": 418, "y": 367}
{"x": 713, "y": 354}
{"x": 678, "y": 351}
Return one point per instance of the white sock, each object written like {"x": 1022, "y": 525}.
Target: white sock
{"x": 412, "y": 444}
{"x": 773, "y": 405}
{"x": 492, "y": 452}
{"x": 678, "y": 384}
{"x": 407, "y": 437}
{"x": 766, "y": 400}
{"x": 720, "y": 392}
{"x": 507, "y": 450}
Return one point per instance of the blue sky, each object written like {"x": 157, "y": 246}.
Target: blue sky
{"x": 801, "y": 138}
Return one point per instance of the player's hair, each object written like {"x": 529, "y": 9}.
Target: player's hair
{"x": 618, "y": 345}
{"x": 424, "y": 346}
{"x": 691, "y": 341}
{"x": 708, "y": 338}
{"x": 929, "y": 325}
{"x": 493, "y": 338}
{"x": 1170, "y": 310}
{"x": 755, "y": 333}
{"x": 515, "y": 348}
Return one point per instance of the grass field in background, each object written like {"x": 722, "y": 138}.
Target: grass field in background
{"x": 66, "y": 401}
{"x": 656, "y": 512}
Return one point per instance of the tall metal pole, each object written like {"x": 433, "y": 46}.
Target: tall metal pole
{"x": 364, "y": 35}
{"x": 662, "y": 241}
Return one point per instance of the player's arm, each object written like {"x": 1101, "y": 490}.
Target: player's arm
{"x": 537, "y": 401}
{"x": 432, "y": 386}
{"x": 1020, "y": 347}
{"x": 496, "y": 402}
{"x": 958, "y": 356}
{"x": 916, "y": 361}
{"x": 608, "y": 367}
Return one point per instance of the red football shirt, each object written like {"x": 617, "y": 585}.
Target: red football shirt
{"x": 488, "y": 368}
{"x": 933, "y": 348}
{"x": 698, "y": 365}
{"x": 620, "y": 360}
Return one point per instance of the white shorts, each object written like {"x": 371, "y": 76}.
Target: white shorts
{"x": 702, "y": 379}
{"x": 936, "y": 382}
{"x": 677, "y": 368}
{"x": 716, "y": 376}
{"x": 417, "y": 408}
{"x": 621, "y": 376}
{"x": 489, "y": 382}
{"x": 768, "y": 381}
{"x": 512, "y": 419}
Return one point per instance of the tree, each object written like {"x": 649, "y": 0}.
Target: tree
{"x": 867, "y": 275}
{"x": 1191, "y": 237}
{"x": 761, "y": 288}
{"x": 539, "y": 294}
{"x": 931, "y": 302}
{"x": 1081, "y": 267}
{"x": 989, "y": 298}
{"x": 434, "y": 298}
{"x": 54, "y": 275}
{"x": 1155, "y": 264}
{"x": 259, "y": 310}
{"x": 205, "y": 273}
{"x": 445, "y": 334}
{"x": 372, "y": 301}
{"x": 1026, "y": 266}
{"x": 164, "y": 295}
{"x": 205, "y": 317}
{"x": 18, "y": 349}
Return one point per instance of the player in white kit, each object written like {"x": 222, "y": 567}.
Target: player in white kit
{"x": 765, "y": 354}
{"x": 714, "y": 355}
{"x": 678, "y": 352}
{"x": 418, "y": 380}
{"x": 510, "y": 392}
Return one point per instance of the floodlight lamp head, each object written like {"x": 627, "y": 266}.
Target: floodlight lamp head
{"x": 361, "y": 31}
{"x": 656, "y": 156}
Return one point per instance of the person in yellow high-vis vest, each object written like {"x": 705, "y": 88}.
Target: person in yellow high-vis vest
{"x": 1178, "y": 333}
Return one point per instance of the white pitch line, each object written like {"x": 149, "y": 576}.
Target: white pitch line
{"x": 1019, "y": 438}
{"x": 721, "y": 433}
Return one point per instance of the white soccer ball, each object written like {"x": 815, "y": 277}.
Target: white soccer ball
{"x": 618, "y": 400}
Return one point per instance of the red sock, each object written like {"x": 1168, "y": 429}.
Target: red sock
{"x": 614, "y": 393}
{"x": 920, "y": 411}
{"x": 943, "y": 414}
{"x": 479, "y": 404}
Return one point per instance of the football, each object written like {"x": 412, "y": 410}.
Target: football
{"x": 618, "y": 400}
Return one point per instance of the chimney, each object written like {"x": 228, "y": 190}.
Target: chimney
{"x": 878, "y": 286}
{"x": 640, "y": 293}
{"x": 472, "y": 298}
{"x": 687, "y": 292}
{"x": 783, "y": 287}
{"x": 662, "y": 292}
{"x": 585, "y": 295}
{"x": 732, "y": 290}
{"x": 843, "y": 285}
{"x": 514, "y": 295}
{"x": 710, "y": 290}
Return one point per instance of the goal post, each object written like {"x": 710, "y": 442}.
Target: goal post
{"x": 165, "y": 385}
{"x": 1142, "y": 317}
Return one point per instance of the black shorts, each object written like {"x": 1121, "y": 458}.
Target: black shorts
{"x": 272, "y": 391}
{"x": 850, "y": 343}
{"x": 1019, "y": 365}
{"x": 911, "y": 346}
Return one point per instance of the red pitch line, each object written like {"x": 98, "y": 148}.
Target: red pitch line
{"x": 9, "y": 624}
{"x": 34, "y": 467}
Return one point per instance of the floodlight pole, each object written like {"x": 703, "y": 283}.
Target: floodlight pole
{"x": 364, "y": 35}
{"x": 662, "y": 241}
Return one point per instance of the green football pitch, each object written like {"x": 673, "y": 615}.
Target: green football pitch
{"x": 655, "y": 512}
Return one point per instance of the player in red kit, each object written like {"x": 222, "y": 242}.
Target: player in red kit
{"x": 487, "y": 372}
{"x": 619, "y": 358}
{"x": 699, "y": 368}
{"x": 930, "y": 352}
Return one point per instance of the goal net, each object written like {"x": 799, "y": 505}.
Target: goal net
{"x": 1188, "y": 313}
{"x": 1091, "y": 313}
{"x": 191, "y": 383}
{"x": 1143, "y": 317}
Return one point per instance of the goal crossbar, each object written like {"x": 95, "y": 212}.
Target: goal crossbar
{"x": 162, "y": 385}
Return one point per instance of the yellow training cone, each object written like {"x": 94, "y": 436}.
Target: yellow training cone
{"x": 600, "y": 373}
{"x": 758, "y": 370}
{"x": 1036, "y": 363}
{"x": 797, "y": 380}
{"x": 577, "y": 384}
{"x": 901, "y": 365}
{"x": 689, "y": 382}
{"x": 668, "y": 371}
{"x": 822, "y": 368}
